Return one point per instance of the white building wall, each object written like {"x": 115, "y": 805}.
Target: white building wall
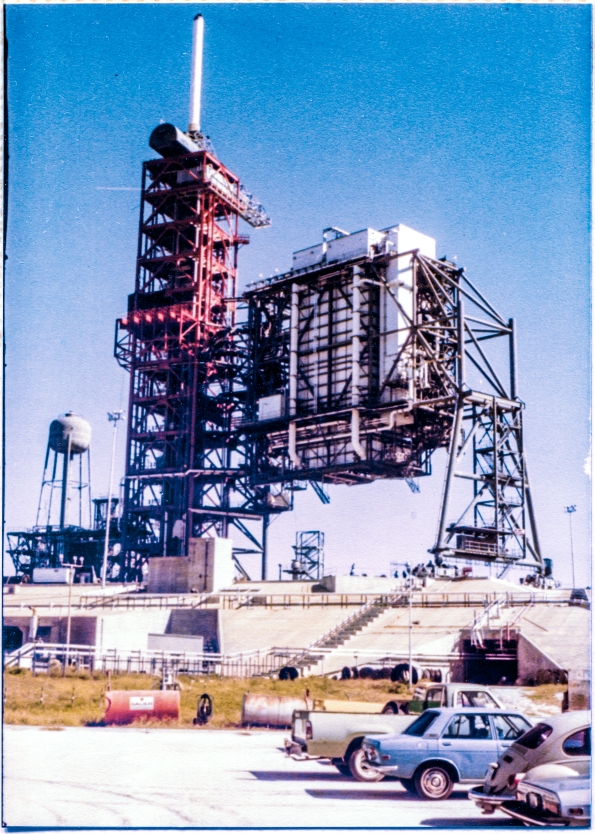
{"x": 129, "y": 630}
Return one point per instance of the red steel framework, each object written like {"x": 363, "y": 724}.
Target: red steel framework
{"x": 184, "y": 468}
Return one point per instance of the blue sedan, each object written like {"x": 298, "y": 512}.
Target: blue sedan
{"x": 444, "y": 746}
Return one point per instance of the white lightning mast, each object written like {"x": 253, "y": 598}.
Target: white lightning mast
{"x": 196, "y": 75}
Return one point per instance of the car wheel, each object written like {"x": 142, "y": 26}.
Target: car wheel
{"x": 434, "y": 782}
{"x": 360, "y": 768}
{"x": 409, "y": 785}
{"x": 391, "y": 708}
{"x": 341, "y": 767}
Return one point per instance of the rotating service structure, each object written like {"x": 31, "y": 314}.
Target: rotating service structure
{"x": 368, "y": 356}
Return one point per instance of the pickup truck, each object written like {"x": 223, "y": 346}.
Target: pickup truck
{"x": 338, "y": 736}
{"x": 445, "y": 695}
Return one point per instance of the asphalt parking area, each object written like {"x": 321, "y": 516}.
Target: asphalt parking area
{"x": 112, "y": 777}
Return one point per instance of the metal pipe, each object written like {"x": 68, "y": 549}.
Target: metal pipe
{"x": 55, "y": 466}
{"x": 494, "y": 478}
{"x": 355, "y": 441}
{"x": 355, "y": 336}
{"x": 64, "y": 502}
{"x": 410, "y": 632}
{"x": 293, "y": 349}
{"x": 113, "y": 416}
{"x": 392, "y": 417}
{"x": 461, "y": 340}
{"x": 292, "y": 445}
{"x": 196, "y": 74}
{"x": 263, "y": 566}
{"x": 530, "y": 509}
{"x": 452, "y": 459}
{"x": 45, "y": 466}
{"x": 512, "y": 351}
{"x": 68, "y": 618}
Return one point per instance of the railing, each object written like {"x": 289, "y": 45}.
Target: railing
{"x": 142, "y": 600}
{"x": 39, "y": 658}
{"x": 235, "y": 599}
{"x": 419, "y": 599}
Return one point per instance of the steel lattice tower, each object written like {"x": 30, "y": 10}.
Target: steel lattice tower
{"x": 184, "y": 467}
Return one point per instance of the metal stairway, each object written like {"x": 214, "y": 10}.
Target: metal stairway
{"x": 309, "y": 658}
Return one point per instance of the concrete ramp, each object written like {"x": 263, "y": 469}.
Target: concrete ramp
{"x": 248, "y": 629}
{"x": 554, "y": 637}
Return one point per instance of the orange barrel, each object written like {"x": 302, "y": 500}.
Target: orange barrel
{"x": 271, "y": 710}
{"x": 123, "y": 706}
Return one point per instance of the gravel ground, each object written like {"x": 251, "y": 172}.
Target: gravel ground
{"x": 522, "y": 699}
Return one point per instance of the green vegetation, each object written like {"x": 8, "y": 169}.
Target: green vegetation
{"x": 77, "y": 699}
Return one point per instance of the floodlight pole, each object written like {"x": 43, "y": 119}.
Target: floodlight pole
{"x": 113, "y": 417}
{"x": 410, "y": 631}
{"x": 570, "y": 510}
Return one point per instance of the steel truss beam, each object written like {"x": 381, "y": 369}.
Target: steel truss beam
{"x": 497, "y": 522}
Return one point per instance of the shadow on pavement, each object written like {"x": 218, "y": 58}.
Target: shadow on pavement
{"x": 358, "y": 794}
{"x": 477, "y": 822}
{"x": 400, "y": 796}
{"x": 289, "y": 776}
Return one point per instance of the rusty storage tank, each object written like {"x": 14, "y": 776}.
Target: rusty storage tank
{"x": 70, "y": 427}
{"x": 272, "y": 710}
{"x": 126, "y": 706}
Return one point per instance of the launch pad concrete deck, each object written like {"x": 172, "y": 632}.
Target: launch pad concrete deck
{"x": 108, "y": 777}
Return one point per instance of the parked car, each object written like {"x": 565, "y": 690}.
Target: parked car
{"x": 444, "y": 746}
{"x": 563, "y": 739}
{"x": 559, "y": 796}
{"x": 338, "y": 735}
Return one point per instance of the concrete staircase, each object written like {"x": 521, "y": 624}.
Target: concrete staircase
{"x": 311, "y": 660}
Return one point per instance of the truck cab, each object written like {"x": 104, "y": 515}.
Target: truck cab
{"x": 447, "y": 695}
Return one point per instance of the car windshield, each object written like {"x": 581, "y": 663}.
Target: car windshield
{"x": 421, "y": 724}
{"x": 475, "y": 699}
{"x": 536, "y": 736}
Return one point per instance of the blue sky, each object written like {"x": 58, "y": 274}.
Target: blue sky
{"x": 468, "y": 122}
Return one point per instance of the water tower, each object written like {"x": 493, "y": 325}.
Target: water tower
{"x": 69, "y": 441}
{"x": 64, "y": 531}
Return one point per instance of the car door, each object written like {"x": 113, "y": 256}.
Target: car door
{"x": 434, "y": 697}
{"x": 469, "y": 742}
{"x": 508, "y": 728}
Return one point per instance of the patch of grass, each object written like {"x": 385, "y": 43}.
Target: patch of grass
{"x": 77, "y": 699}
{"x": 548, "y": 694}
